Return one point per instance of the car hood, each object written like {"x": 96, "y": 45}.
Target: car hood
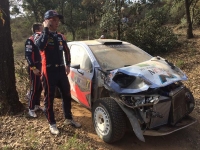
{"x": 154, "y": 73}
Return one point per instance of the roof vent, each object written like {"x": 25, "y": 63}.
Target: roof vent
{"x": 109, "y": 41}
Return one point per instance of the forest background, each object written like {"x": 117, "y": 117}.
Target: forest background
{"x": 146, "y": 23}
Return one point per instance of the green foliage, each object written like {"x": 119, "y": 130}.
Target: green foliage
{"x": 159, "y": 14}
{"x": 180, "y": 64}
{"x": 75, "y": 17}
{"x": 74, "y": 143}
{"x": 154, "y": 1}
{"x": 7, "y": 148}
{"x": 193, "y": 52}
{"x": 110, "y": 18}
{"x": 22, "y": 77}
{"x": 21, "y": 28}
{"x": 15, "y": 10}
{"x": 37, "y": 8}
{"x": 152, "y": 37}
{"x": 183, "y": 22}
{"x": 89, "y": 17}
{"x": 31, "y": 138}
{"x": 177, "y": 12}
{"x": 18, "y": 48}
{"x": 196, "y": 13}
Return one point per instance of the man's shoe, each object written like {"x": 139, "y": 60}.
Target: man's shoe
{"x": 53, "y": 129}
{"x": 72, "y": 123}
{"x": 38, "y": 107}
{"x": 32, "y": 113}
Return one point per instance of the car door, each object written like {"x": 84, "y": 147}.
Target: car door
{"x": 80, "y": 79}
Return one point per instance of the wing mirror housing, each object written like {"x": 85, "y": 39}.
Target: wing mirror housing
{"x": 75, "y": 66}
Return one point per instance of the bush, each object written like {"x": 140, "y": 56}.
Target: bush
{"x": 152, "y": 37}
{"x": 22, "y": 77}
{"x": 21, "y": 28}
{"x": 177, "y": 12}
{"x": 159, "y": 14}
{"x": 92, "y": 33}
{"x": 19, "y": 48}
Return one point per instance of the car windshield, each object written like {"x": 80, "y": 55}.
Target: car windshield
{"x": 111, "y": 57}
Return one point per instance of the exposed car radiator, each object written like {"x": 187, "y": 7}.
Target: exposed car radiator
{"x": 179, "y": 106}
{"x": 162, "y": 109}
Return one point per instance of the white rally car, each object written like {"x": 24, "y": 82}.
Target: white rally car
{"x": 122, "y": 84}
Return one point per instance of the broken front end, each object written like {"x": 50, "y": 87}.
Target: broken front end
{"x": 158, "y": 112}
{"x": 154, "y": 99}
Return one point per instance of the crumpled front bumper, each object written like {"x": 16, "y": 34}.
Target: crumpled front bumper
{"x": 166, "y": 129}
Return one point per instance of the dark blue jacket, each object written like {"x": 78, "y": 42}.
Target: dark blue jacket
{"x": 52, "y": 46}
{"x": 32, "y": 53}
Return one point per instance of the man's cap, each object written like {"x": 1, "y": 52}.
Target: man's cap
{"x": 52, "y": 13}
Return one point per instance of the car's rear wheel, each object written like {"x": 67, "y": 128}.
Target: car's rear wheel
{"x": 108, "y": 120}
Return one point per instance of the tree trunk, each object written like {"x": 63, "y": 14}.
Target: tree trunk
{"x": 189, "y": 22}
{"x": 118, "y": 9}
{"x": 74, "y": 34}
{"x": 118, "y": 31}
{"x": 9, "y": 100}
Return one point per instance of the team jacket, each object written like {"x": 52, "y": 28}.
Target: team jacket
{"x": 52, "y": 46}
{"x": 32, "y": 53}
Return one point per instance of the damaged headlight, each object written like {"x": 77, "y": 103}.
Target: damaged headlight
{"x": 139, "y": 100}
{"x": 123, "y": 80}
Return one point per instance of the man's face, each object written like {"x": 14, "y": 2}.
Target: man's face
{"x": 54, "y": 23}
{"x": 40, "y": 28}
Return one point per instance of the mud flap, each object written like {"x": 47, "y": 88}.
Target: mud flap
{"x": 134, "y": 122}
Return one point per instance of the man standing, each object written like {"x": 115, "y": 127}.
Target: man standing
{"x": 54, "y": 72}
{"x": 33, "y": 58}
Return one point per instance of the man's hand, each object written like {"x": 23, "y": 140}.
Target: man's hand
{"x": 67, "y": 69}
{"x": 46, "y": 23}
{"x": 36, "y": 72}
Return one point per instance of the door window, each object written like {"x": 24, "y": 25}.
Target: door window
{"x": 80, "y": 56}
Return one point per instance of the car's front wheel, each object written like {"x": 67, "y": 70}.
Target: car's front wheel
{"x": 108, "y": 120}
{"x": 190, "y": 101}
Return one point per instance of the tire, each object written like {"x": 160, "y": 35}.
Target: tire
{"x": 190, "y": 101}
{"x": 109, "y": 120}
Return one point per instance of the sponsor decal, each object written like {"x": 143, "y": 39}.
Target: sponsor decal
{"x": 156, "y": 71}
{"x": 28, "y": 46}
{"x": 60, "y": 47}
{"x": 50, "y": 40}
{"x": 143, "y": 65}
{"x": 163, "y": 78}
{"x": 28, "y": 50}
{"x": 51, "y": 44}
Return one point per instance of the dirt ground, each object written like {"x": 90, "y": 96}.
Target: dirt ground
{"x": 22, "y": 132}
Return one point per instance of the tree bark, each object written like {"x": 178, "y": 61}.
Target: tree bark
{"x": 118, "y": 9}
{"x": 188, "y": 17}
{"x": 9, "y": 100}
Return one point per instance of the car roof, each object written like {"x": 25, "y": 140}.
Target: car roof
{"x": 101, "y": 42}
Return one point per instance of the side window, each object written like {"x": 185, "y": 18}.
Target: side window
{"x": 79, "y": 56}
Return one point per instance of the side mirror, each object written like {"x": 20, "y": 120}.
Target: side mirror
{"x": 75, "y": 66}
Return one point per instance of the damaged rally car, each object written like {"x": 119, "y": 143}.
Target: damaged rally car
{"x": 124, "y": 86}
